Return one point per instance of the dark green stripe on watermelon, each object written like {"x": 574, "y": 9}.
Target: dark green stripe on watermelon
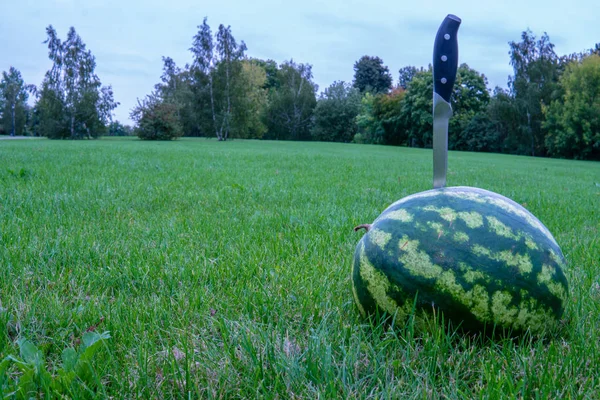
{"x": 510, "y": 265}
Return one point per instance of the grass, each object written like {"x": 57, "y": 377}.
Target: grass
{"x": 222, "y": 270}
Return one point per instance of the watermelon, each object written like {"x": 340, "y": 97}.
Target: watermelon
{"x": 479, "y": 258}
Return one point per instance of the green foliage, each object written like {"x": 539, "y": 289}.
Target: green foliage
{"x": 573, "y": 122}
{"x": 217, "y": 85}
{"x": 368, "y": 126}
{"x": 335, "y": 113}
{"x": 291, "y": 105}
{"x": 116, "y": 128}
{"x": 387, "y": 109}
{"x": 482, "y": 134}
{"x": 156, "y": 119}
{"x": 14, "y": 110}
{"x": 416, "y": 110}
{"x": 469, "y": 98}
{"x": 221, "y": 94}
{"x": 250, "y": 117}
{"x": 76, "y": 377}
{"x": 370, "y": 75}
{"x": 177, "y": 88}
{"x": 406, "y": 74}
{"x": 72, "y": 103}
{"x": 49, "y": 113}
{"x": 535, "y": 80}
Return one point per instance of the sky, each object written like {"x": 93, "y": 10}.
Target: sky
{"x": 130, "y": 37}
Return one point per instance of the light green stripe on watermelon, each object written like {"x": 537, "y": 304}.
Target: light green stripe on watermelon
{"x": 535, "y": 319}
{"x": 532, "y": 316}
{"x": 380, "y": 238}
{"x": 377, "y": 283}
{"x": 521, "y": 261}
{"x": 480, "y": 300}
{"x": 545, "y": 277}
{"x": 472, "y": 219}
{"x": 399, "y": 215}
{"x": 446, "y": 213}
{"x": 471, "y": 276}
{"x": 516, "y": 210}
{"x": 437, "y": 227}
{"x": 479, "y": 250}
{"x": 417, "y": 262}
{"x": 500, "y": 229}
{"x": 530, "y": 243}
{"x": 466, "y": 195}
{"x": 502, "y": 313}
{"x": 476, "y": 299}
{"x": 460, "y": 237}
{"x": 505, "y": 205}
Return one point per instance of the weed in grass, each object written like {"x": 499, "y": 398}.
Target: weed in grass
{"x": 76, "y": 378}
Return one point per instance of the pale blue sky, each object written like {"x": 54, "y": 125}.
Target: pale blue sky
{"x": 129, "y": 37}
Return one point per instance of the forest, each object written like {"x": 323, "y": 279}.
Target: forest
{"x": 551, "y": 107}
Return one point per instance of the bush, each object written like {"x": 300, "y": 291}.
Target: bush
{"x": 359, "y": 138}
{"x": 116, "y": 128}
{"x": 157, "y": 120}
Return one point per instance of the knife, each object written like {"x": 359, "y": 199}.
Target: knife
{"x": 445, "y": 64}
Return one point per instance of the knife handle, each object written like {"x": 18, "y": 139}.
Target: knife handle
{"x": 445, "y": 57}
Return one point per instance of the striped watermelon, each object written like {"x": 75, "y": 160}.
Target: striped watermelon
{"x": 477, "y": 256}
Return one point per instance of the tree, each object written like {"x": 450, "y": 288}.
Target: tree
{"x": 416, "y": 110}
{"x": 387, "y": 109}
{"x": 406, "y": 74}
{"x": 335, "y": 113}
{"x": 368, "y": 126}
{"x": 13, "y": 101}
{"x": 228, "y": 71}
{"x": 291, "y": 105}
{"x": 470, "y": 97}
{"x": 370, "y": 75}
{"x": 481, "y": 133}
{"x": 177, "y": 88}
{"x": 217, "y": 66}
{"x": 505, "y": 123}
{"x": 203, "y": 78}
{"x": 116, "y": 128}
{"x": 72, "y": 102}
{"x": 156, "y": 119}
{"x": 573, "y": 121}
{"x": 249, "y": 118}
{"x": 535, "y": 80}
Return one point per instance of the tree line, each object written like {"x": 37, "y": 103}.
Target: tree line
{"x": 551, "y": 107}
{"x": 70, "y": 102}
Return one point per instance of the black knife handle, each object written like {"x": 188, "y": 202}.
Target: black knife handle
{"x": 445, "y": 57}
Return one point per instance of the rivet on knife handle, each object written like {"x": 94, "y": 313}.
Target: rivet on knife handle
{"x": 445, "y": 64}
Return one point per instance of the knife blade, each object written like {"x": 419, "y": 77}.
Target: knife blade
{"x": 445, "y": 65}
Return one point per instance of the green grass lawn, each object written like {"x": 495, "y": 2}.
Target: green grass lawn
{"x": 222, "y": 270}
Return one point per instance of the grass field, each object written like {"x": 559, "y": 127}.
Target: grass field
{"x": 222, "y": 270}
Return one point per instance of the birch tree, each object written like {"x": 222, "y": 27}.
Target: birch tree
{"x": 203, "y": 66}
{"x": 72, "y": 102}
{"x": 292, "y": 104}
{"x": 13, "y": 101}
{"x": 217, "y": 63}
